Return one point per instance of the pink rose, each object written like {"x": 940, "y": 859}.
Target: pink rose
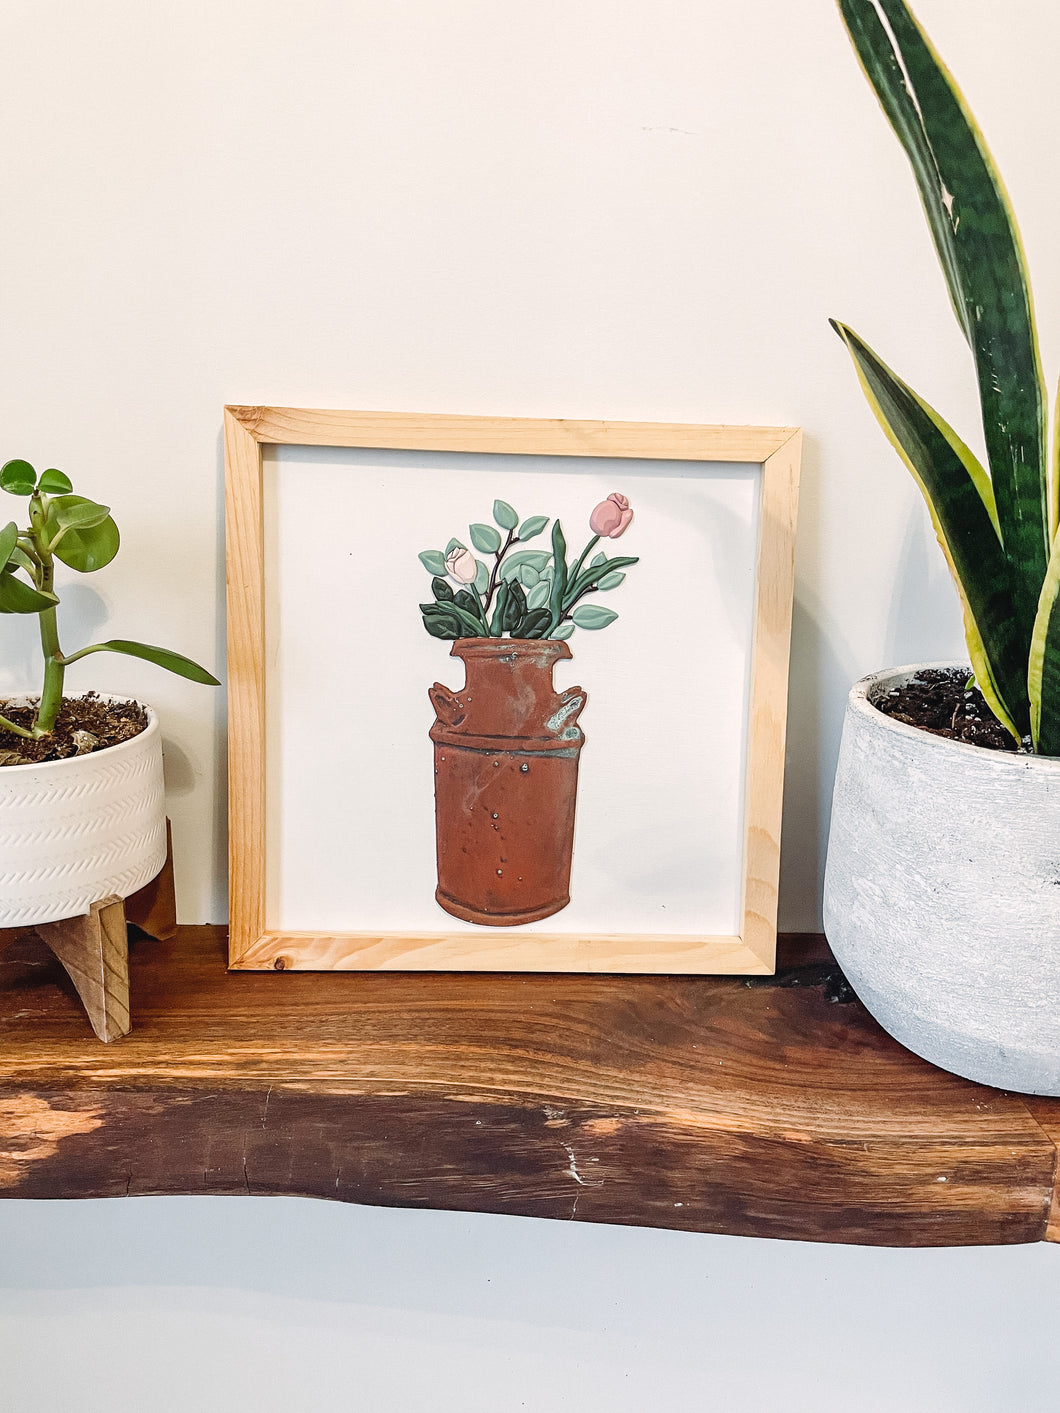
{"x": 461, "y": 565}
{"x": 611, "y": 517}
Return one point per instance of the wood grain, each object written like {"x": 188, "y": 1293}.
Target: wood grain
{"x": 755, "y": 1107}
{"x": 253, "y": 944}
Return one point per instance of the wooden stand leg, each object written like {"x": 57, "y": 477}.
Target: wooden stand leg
{"x": 95, "y": 952}
{"x": 153, "y": 908}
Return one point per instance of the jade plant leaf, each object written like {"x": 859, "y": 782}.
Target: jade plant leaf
{"x": 54, "y": 483}
{"x": 18, "y": 477}
{"x": 82, "y": 548}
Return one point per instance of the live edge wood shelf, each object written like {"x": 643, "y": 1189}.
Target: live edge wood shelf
{"x": 756, "y": 1107}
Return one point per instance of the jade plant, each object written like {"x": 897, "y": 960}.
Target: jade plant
{"x": 80, "y": 534}
{"x": 997, "y": 526}
{"x": 524, "y": 593}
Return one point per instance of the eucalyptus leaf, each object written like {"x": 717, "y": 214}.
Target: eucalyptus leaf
{"x": 54, "y": 483}
{"x": 485, "y": 538}
{"x": 454, "y": 544}
{"x": 528, "y": 576}
{"x": 562, "y": 632}
{"x": 512, "y": 563}
{"x": 433, "y": 561}
{"x": 589, "y": 615}
{"x": 533, "y": 526}
{"x": 482, "y": 577}
{"x": 538, "y": 596}
{"x": 18, "y": 477}
{"x": 597, "y": 559}
{"x": 610, "y": 581}
{"x": 505, "y": 516}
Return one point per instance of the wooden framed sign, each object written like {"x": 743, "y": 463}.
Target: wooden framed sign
{"x": 505, "y": 694}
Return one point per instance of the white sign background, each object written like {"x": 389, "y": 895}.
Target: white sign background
{"x": 350, "y": 821}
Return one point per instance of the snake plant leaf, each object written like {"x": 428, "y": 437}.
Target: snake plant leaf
{"x": 960, "y": 500}
{"x": 559, "y": 581}
{"x": 979, "y": 249}
{"x": 1043, "y": 676}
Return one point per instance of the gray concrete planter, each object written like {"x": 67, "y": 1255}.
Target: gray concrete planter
{"x": 942, "y": 894}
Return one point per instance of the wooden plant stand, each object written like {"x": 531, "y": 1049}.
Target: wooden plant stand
{"x": 94, "y": 948}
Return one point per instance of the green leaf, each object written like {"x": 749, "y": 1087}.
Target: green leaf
{"x": 499, "y": 606}
{"x": 482, "y": 577}
{"x": 8, "y": 541}
{"x": 512, "y": 563}
{"x": 529, "y": 528}
{"x": 538, "y": 596}
{"x": 600, "y": 558}
{"x": 565, "y": 630}
{"x": 529, "y": 577}
{"x": 485, "y": 538}
{"x": 533, "y": 624}
{"x": 454, "y": 544}
{"x": 979, "y": 249}
{"x": 610, "y": 581}
{"x": 433, "y": 561}
{"x": 441, "y": 590}
{"x": 18, "y": 477}
{"x": 440, "y": 623}
{"x": 515, "y": 610}
{"x": 588, "y": 615}
{"x": 85, "y": 550}
{"x": 76, "y": 513}
{"x": 592, "y": 576}
{"x": 161, "y": 657}
{"x": 559, "y": 582}
{"x": 504, "y": 515}
{"x": 1043, "y": 677}
{"x": 961, "y": 504}
{"x": 16, "y": 596}
{"x": 54, "y": 483}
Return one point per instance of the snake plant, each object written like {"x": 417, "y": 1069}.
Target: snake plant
{"x": 997, "y": 527}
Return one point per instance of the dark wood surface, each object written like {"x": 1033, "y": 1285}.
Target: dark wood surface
{"x": 756, "y": 1107}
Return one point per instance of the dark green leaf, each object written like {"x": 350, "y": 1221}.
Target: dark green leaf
{"x": 82, "y": 549}
{"x": 18, "y": 477}
{"x": 16, "y": 596}
{"x": 161, "y": 657}
{"x": 516, "y": 608}
{"x": 979, "y": 250}
{"x": 504, "y": 515}
{"x": 441, "y": 590}
{"x": 440, "y": 623}
{"x": 497, "y": 619}
{"x": 592, "y": 576}
{"x": 559, "y": 582}
{"x": 54, "y": 483}
{"x": 433, "y": 561}
{"x": 958, "y": 496}
{"x": 588, "y": 615}
{"x": 533, "y": 624}
{"x": 533, "y": 526}
{"x": 485, "y": 539}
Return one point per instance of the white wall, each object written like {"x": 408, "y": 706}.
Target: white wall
{"x": 640, "y": 209}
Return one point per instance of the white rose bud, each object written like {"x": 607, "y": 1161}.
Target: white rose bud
{"x": 461, "y": 565}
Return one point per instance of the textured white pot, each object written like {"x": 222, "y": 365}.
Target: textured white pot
{"x": 942, "y": 894}
{"x": 77, "y": 830}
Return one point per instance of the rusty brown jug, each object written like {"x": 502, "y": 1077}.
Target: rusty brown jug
{"x": 506, "y": 751}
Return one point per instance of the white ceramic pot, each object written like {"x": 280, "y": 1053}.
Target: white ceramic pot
{"x": 942, "y": 893}
{"x": 77, "y": 830}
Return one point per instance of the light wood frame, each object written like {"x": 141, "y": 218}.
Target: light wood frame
{"x": 252, "y": 946}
